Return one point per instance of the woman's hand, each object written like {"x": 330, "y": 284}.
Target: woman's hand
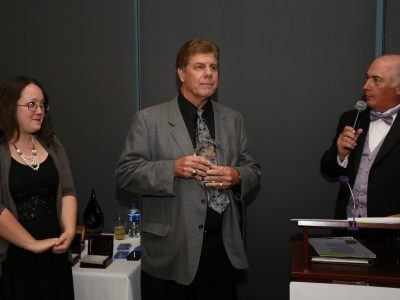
{"x": 40, "y": 246}
{"x": 63, "y": 243}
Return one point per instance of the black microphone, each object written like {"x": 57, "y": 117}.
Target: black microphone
{"x": 360, "y": 106}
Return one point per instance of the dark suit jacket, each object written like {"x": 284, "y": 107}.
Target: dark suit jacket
{"x": 174, "y": 209}
{"x": 384, "y": 177}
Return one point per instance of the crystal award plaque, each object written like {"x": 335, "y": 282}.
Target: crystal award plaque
{"x": 211, "y": 150}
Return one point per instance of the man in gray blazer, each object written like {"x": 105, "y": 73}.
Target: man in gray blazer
{"x": 191, "y": 236}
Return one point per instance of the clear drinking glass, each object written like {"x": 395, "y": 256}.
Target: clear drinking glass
{"x": 119, "y": 227}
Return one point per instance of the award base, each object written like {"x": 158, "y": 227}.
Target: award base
{"x": 100, "y": 251}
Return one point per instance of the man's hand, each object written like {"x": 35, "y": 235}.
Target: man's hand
{"x": 347, "y": 141}
{"x": 222, "y": 177}
{"x": 192, "y": 166}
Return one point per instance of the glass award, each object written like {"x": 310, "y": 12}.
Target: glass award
{"x": 211, "y": 150}
{"x": 93, "y": 217}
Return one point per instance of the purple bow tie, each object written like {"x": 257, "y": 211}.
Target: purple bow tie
{"x": 388, "y": 118}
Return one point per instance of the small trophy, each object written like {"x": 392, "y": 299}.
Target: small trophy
{"x": 211, "y": 150}
{"x": 93, "y": 217}
{"x": 217, "y": 199}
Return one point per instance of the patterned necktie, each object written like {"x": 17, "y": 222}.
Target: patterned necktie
{"x": 387, "y": 117}
{"x": 218, "y": 200}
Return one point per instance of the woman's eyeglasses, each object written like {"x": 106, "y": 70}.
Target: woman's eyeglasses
{"x": 33, "y": 106}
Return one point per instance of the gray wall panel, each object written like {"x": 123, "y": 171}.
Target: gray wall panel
{"x": 291, "y": 67}
{"x": 83, "y": 53}
{"x": 392, "y": 41}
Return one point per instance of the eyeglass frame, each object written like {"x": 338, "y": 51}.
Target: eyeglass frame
{"x": 33, "y": 105}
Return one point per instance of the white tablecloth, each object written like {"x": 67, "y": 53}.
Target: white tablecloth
{"x": 119, "y": 281}
{"x": 331, "y": 291}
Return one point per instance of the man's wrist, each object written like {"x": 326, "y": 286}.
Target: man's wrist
{"x": 343, "y": 156}
{"x": 342, "y": 162}
{"x": 239, "y": 178}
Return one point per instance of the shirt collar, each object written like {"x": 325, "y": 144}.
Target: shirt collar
{"x": 390, "y": 110}
{"x": 190, "y": 110}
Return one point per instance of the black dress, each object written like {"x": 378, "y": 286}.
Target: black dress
{"x": 28, "y": 275}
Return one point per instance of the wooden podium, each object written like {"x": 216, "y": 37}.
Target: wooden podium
{"x": 385, "y": 272}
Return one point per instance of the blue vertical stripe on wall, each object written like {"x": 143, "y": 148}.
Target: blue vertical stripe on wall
{"x": 137, "y": 54}
{"x": 380, "y": 28}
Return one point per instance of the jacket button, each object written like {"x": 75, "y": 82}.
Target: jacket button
{"x": 203, "y": 201}
{"x": 201, "y": 227}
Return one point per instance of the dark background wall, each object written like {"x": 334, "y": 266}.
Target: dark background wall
{"x": 83, "y": 52}
{"x": 291, "y": 67}
{"x": 392, "y": 41}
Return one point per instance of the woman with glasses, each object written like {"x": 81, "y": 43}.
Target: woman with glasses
{"x": 38, "y": 203}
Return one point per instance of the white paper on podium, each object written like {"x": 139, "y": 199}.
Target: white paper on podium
{"x": 329, "y": 291}
{"x": 340, "y": 247}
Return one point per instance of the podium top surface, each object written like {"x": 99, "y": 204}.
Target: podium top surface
{"x": 383, "y": 223}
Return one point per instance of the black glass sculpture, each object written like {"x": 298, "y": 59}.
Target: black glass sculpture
{"x": 93, "y": 217}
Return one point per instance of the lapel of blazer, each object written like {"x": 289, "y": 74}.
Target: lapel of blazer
{"x": 220, "y": 118}
{"x": 178, "y": 128}
{"x": 391, "y": 139}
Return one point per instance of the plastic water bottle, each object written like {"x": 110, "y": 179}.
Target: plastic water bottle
{"x": 131, "y": 225}
{"x": 136, "y": 224}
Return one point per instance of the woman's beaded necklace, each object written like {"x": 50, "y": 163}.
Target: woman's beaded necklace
{"x": 32, "y": 160}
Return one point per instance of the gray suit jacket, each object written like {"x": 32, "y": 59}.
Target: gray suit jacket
{"x": 172, "y": 210}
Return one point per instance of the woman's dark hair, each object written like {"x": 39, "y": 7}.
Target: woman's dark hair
{"x": 10, "y": 92}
